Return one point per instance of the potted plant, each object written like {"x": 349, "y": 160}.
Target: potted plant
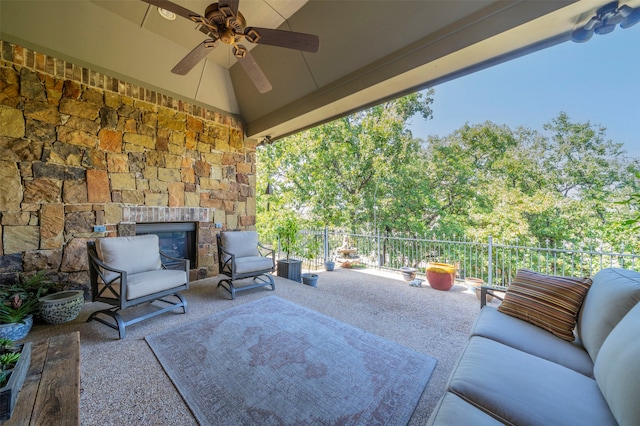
{"x": 19, "y": 302}
{"x": 14, "y": 364}
{"x": 329, "y": 264}
{"x": 311, "y": 250}
{"x": 287, "y": 229}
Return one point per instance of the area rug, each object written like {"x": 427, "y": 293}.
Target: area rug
{"x": 272, "y": 362}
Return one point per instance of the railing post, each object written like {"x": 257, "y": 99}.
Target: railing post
{"x": 490, "y": 277}
{"x": 380, "y": 260}
{"x": 326, "y": 243}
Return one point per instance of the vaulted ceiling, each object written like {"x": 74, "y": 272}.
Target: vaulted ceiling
{"x": 370, "y": 50}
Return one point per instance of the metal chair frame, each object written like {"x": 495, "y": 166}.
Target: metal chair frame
{"x": 112, "y": 295}
{"x": 260, "y": 277}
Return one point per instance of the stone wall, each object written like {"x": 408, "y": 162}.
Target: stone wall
{"x": 77, "y": 148}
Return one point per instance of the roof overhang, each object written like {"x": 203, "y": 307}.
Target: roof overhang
{"x": 370, "y": 50}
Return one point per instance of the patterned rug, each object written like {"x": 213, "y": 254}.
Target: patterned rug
{"x": 272, "y": 362}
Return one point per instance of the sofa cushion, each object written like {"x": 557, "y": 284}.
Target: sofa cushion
{"x": 613, "y": 293}
{"x": 523, "y": 389}
{"x": 617, "y": 369}
{"x": 135, "y": 254}
{"x": 550, "y": 302}
{"x": 240, "y": 243}
{"x": 453, "y": 410}
{"x": 527, "y": 337}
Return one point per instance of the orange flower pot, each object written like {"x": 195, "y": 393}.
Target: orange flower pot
{"x": 441, "y": 276}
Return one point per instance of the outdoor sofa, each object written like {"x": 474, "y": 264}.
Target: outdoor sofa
{"x": 514, "y": 372}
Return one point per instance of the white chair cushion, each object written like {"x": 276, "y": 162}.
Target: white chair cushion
{"x": 240, "y": 243}
{"x": 253, "y": 264}
{"x": 131, "y": 254}
{"x": 145, "y": 283}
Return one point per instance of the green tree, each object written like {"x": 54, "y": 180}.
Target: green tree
{"x": 332, "y": 173}
{"x": 563, "y": 184}
{"x": 586, "y": 172}
{"x": 558, "y": 185}
{"x": 462, "y": 171}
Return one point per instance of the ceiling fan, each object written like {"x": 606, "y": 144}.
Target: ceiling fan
{"x": 223, "y": 22}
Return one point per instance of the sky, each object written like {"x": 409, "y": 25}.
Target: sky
{"x": 597, "y": 81}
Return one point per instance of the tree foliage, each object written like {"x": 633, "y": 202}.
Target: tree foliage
{"x": 336, "y": 174}
{"x": 563, "y": 184}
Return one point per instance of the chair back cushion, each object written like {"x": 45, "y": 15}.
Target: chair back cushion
{"x": 240, "y": 243}
{"x": 613, "y": 293}
{"x": 617, "y": 369}
{"x": 132, "y": 254}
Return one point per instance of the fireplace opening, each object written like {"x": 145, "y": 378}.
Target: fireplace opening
{"x": 177, "y": 239}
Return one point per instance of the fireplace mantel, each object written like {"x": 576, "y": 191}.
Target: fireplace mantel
{"x": 145, "y": 214}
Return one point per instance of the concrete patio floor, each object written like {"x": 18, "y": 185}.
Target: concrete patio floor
{"x": 122, "y": 383}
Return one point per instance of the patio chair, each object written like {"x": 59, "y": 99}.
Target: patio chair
{"x": 241, "y": 256}
{"x": 129, "y": 271}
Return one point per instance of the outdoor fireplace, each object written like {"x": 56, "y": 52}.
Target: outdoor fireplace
{"x": 185, "y": 232}
{"x": 177, "y": 239}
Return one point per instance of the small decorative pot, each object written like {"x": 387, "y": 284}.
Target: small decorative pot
{"x": 16, "y": 330}
{"x": 310, "y": 279}
{"x": 61, "y": 307}
{"x": 441, "y": 276}
{"x": 329, "y": 265}
{"x": 408, "y": 274}
{"x": 475, "y": 284}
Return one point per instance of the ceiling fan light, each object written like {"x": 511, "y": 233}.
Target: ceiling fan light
{"x": 591, "y": 24}
{"x": 625, "y": 10}
{"x": 166, "y": 14}
{"x": 605, "y": 29}
{"x": 631, "y": 20}
{"x": 581, "y": 35}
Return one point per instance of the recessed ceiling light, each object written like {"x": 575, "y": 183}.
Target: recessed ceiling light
{"x": 166, "y": 14}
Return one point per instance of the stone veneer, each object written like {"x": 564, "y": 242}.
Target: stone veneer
{"x": 79, "y": 148}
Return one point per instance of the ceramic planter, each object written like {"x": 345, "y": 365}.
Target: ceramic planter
{"x": 329, "y": 265}
{"x": 408, "y": 273}
{"x": 310, "y": 279}
{"x": 16, "y": 330}
{"x": 441, "y": 276}
{"x": 475, "y": 284}
{"x": 61, "y": 307}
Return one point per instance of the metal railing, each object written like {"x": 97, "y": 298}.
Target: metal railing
{"x": 495, "y": 263}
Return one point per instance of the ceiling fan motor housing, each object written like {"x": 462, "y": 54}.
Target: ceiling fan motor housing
{"x": 229, "y": 25}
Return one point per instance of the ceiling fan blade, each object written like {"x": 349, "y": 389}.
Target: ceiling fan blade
{"x": 288, "y": 39}
{"x": 255, "y": 73}
{"x": 196, "y": 55}
{"x": 172, "y": 7}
